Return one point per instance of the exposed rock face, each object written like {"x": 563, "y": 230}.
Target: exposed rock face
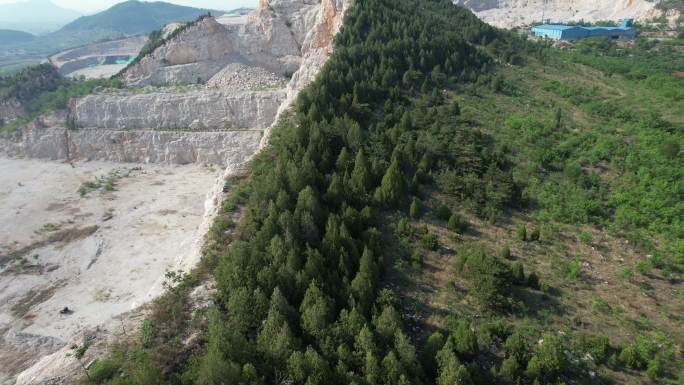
{"x": 196, "y": 110}
{"x": 241, "y": 61}
{"x": 316, "y": 48}
{"x": 222, "y": 148}
{"x": 272, "y": 37}
{"x": 512, "y": 13}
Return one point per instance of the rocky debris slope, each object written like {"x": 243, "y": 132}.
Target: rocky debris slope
{"x": 513, "y": 13}
{"x": 239, "y": 77}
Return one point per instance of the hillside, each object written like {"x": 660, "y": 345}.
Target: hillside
{"x": 35, "y": 16}
{"x": 132, "y": 17}
{"x": 8, "y": 36}
{"x": 447, "y": 204}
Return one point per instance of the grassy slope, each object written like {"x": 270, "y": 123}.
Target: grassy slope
{"x": 599, "y": 283}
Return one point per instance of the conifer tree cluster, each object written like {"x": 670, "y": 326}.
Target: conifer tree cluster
{"x": 300, "y": 291}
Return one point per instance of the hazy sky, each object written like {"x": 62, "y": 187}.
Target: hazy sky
{"x": 89, "y": 6}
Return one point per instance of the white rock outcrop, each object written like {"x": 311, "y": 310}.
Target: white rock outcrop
{"x": 513, "y": 13}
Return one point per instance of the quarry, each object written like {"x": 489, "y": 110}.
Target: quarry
{"x": 102, "y": 198}
{"x": 516, "y": 13}
{"x": 98, "y": 60}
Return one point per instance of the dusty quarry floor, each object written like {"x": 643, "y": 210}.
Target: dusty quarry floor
{"x": 100, "y": 252}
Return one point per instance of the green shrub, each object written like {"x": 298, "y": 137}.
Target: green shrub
{"x": 510, "y": 369}
{"x": 626, "y": 273}
{"x": 499, "y": 327}
{"x": 654, "y": 370}
{"x": 457, "y": 224}
{"x": 433, "y": 345}
{"x": 521, "y": 232}
{"x": 630, "y": 357}
{"x": 417, "y": 259}
{"x": 465, "y": 341}
{"x": 534, "y": 235}
{"x": 429, "y": 241}
{"x": 505, "y": 252}
{"x": 229, "y": 205}
{"x": 573, "y": 269}
{"x": 600, "y": 305}
{"x": 643, "y": 267}
{"x": 517, "y": 346}
{"x": 414, "y": 210}
{"x": 533, "y": 281}
{"x": 597, "y": 346}
{"x": 489, "y": 279}
{"x": 549, "y": 361}
{"x": 443, "y": 212}
{"x": 518, "y": 273}
{"x": 102, "y": 370}
{"x": 148, "y": 334}
{"x": 586, "y": 237}
{"x": 404, "y": 227}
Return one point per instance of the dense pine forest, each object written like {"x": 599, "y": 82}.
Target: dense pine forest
{"x": 448, "y": 203}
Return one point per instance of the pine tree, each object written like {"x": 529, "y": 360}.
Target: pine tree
{"x": 391, "y": 189}
{"x": 414, "y": 210}
{"x": 335, "y": 193}
{"x": 465, "y": 341}
{"x": 361, "y": 178}
{"x": 343, "y": 160}
{"x": 354, "y": 135}
{"x": 433, "y": 345}
{"x": 315, "y": 311}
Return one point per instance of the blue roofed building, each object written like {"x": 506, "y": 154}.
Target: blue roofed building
{"x": 575, "y": 32}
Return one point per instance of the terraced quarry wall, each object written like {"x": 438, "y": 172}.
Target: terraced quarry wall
{"x": 194, "y": 111}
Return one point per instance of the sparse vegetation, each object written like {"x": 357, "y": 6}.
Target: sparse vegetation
{"x": 104, "y": 183}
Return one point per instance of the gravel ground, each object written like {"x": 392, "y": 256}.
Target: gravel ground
{"x": 239, "y": 77}
{"x": 101, "y": 254}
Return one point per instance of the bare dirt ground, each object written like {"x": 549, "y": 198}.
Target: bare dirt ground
{"x": 101, "y": 254}
{"x": 98, "y": 72}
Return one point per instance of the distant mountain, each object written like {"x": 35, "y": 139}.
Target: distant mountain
{"x": 132, "y": 17}
{"x": 35, "y": 16}
{"x": 9, "y": 36}
{"x": 124, "y": 19}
